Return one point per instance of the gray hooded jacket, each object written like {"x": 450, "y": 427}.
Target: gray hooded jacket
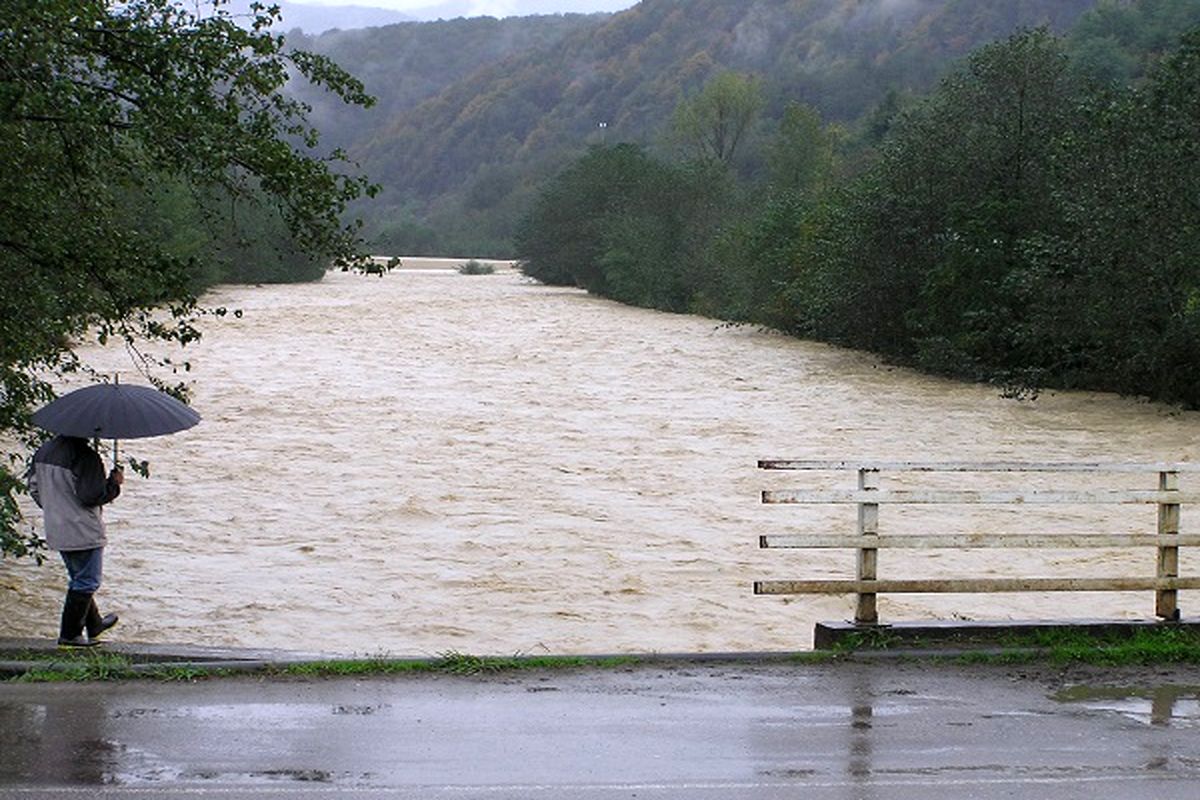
{"x": 67, "y": 481}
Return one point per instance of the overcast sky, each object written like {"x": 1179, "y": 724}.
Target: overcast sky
{"x": 492, "y": 8}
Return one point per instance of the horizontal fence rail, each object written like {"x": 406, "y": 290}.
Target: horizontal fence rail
{"x": 868, "y": 540}
{"x": 935, "y": 497}
{"x": 972, "y": 585}
{"x": 978, "y": 466}
{"x": 970, "y": 541}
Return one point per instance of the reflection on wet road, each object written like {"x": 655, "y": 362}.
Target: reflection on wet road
{"x": 1168, "y": 706}
{"x": 864, "y": 731}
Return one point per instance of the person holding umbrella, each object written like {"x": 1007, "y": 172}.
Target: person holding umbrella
{"x": 68, "y": 483}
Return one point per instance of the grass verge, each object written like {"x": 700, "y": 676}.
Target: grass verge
{"x": 451, "y": 662}
{"x": 1146, "y": 646}
{"x": 92, "y": 665}
{"x": 81, "y": 666}
{"x": 1163, "y": 644}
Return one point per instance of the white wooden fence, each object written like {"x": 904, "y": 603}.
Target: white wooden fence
{"x": 869, "y": 540}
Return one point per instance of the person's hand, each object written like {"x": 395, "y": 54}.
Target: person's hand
{"x": 117, "y": 476}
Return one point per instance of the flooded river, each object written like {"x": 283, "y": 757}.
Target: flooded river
{"x": 427, "y": 462}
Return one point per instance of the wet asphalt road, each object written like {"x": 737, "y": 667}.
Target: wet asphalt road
{"x": 894, "y": 731}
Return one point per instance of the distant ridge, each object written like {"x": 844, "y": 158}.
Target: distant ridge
{"x": 474, "y": 114}
{"x": 631, "y": 68}
{"x": 314, "y": 19}
{"x": 452, "y": 9}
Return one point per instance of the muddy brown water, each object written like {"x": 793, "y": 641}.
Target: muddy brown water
{"x": 430, "y": 462}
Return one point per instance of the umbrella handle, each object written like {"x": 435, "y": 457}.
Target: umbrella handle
{"x": 116, "y": 382}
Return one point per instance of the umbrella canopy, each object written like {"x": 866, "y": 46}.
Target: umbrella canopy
{"x": 115, "y": 411}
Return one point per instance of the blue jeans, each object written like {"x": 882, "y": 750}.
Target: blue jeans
{"x": 83, "y": 567}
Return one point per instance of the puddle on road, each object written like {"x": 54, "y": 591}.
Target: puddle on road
{"x": 1168, "y": 706}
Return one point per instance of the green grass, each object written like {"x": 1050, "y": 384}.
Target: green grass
{"x": 1146, "y": 646}
{"x": 1164, "y": 644}
{"x": 82, "y": 666}
{"x": 351, "y": 668}
{"x": 98, "y": 665}
{"x": 451, "y": 662}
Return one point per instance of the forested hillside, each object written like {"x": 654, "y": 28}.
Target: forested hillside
{"x": 403, "y": 65}
{"x": 474, "y": 115}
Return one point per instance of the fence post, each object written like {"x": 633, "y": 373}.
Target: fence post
{"x": 1166, "y": 603}
{"x": 868, "y": 553}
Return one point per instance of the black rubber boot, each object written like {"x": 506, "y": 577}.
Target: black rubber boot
{"x": 95, "y": 623}
{"x": 74, "y": 617}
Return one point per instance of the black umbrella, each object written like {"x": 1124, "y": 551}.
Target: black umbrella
{"x": 115, "y": 411}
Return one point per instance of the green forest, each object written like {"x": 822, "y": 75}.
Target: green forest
{"x": 1031, "y": 221}
{"x": 469, "y": 119}
{"x": 473, "y": 116}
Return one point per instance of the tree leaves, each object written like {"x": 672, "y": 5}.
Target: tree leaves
{"x": 101, "y": 106}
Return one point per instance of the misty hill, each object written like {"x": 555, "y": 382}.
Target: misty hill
{"x": 403, "y": 65}
{"x": 473, "y": 113}
{"x": 317, "y": 19}
{"x": 450, "y": 9}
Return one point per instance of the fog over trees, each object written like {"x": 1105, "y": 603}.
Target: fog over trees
{"x": 474, "y": 115}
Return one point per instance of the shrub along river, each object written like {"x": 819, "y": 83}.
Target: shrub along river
{"x": 428, "y": 461}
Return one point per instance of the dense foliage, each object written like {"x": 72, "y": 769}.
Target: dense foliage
{"x": 1031, "y": 222}
{"x": 130, "y": 136}
{"x": 1024, "y": 228}
{"x": 622, "y": 224}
